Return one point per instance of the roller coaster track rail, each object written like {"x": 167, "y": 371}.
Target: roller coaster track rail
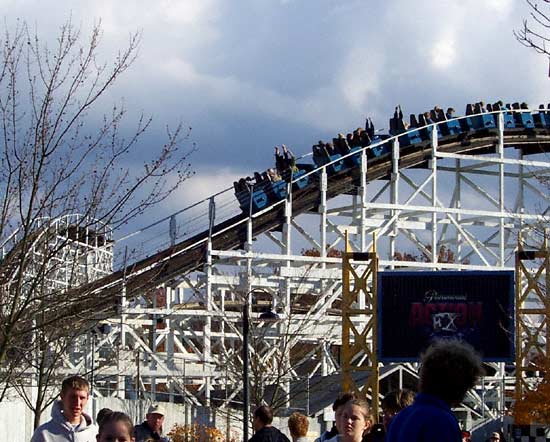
{"x": 167, "y": 248}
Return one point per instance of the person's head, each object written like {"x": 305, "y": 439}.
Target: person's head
{"x": 155, "y": 417}
{"x": 338, "y": 407}
{"x": 298, "y": 424}
{"x": 74, "y": 396}
{"x": 495, "y": 436}
{"x": 466, "y": 436}
{"x": 102, "y": 414}
{"x": 115, "y": 427}
{"x": 450, "y": 111}
{"x": 449, "y": 368}
{"x": 394, "y": 402}
{"x": 263, "y": 416}
{"x": 356, "y": 420}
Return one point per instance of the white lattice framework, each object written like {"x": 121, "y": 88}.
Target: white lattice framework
{"x": 85, "y": 249}
{"x": 182, "y": 341}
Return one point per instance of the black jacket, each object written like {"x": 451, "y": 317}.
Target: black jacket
{"x": 269, "y": 434}
{"x": 143, "y": 432}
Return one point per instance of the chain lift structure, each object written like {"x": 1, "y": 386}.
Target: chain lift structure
{"x": 532, "y": 315}
{"x": 360, "y": 324}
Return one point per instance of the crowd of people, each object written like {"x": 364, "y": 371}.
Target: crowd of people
{"x": 70, "y": 423}
{"x": 448, "y": 370}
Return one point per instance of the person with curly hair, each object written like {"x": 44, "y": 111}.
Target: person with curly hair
{"x": 449, "y": 368}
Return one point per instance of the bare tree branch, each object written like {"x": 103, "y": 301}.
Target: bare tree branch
{"x": 532, "y": 34}
{"x": 65, "y": 187}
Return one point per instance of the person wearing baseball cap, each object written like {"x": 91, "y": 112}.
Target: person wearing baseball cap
{"x": 151, "y": 429}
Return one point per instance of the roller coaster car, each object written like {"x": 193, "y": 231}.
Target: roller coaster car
{"x": 411, "y": 137}
{"x": 542, "y": 118}
{"x": 509, "y": 122}
{"x": 266, "y": 192}
{"x": 344, "y": 149}
{"x": 405, "y": 138}
{"x": 424, "y": 131}
{"x": 248, "y": 195}
{"x": 355, "y": 159}
{"x": 524, "y": 119}
{"x": 381, "y": 149}
{"x": 322, "y": 157}
{"x": 477, "y": 119}
{"x": 453, "y": 127}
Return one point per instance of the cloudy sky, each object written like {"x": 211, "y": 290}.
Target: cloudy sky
{"x": 249, "y": 74}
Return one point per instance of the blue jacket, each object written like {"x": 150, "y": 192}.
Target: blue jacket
{"x": 428, "y": 419}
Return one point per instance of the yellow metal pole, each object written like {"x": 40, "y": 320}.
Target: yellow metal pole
{"x": 519, "y": 328}
{"x": 375, "y": 375}
{"x": 530, "y": 285}
{"x": 359, "y": 323}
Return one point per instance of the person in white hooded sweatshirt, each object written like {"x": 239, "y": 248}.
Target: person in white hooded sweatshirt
{"x": 69, "y": 423}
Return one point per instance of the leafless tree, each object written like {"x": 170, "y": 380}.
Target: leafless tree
{"x": 43, "y": 360}
{"x": 66, "y": 184}
{"x": 534, "y": 33}
{"x": 280, "y": 355}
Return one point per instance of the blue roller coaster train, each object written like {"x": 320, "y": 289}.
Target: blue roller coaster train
{"x": 342, "y": 155}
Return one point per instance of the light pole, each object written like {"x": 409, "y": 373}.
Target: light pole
{"x": 103, "y": 329}
{"x": 185, "y": 397}
{"x": 246, "y": 393}
{"x": 269, "y": 316}
{"x": 92, "y": 375}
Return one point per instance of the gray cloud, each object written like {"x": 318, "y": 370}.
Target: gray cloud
{"x": 250, "y": 74}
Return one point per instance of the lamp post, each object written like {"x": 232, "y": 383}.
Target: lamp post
{"x": 185, "y": 397}
{"x": 103, "y": 329}
{"x": 269, "y": 316}
{"x": 246, "y": 393}
{"x": 92, "y": 375}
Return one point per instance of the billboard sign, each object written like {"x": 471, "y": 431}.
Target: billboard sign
{"x": 416, "y": 307}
